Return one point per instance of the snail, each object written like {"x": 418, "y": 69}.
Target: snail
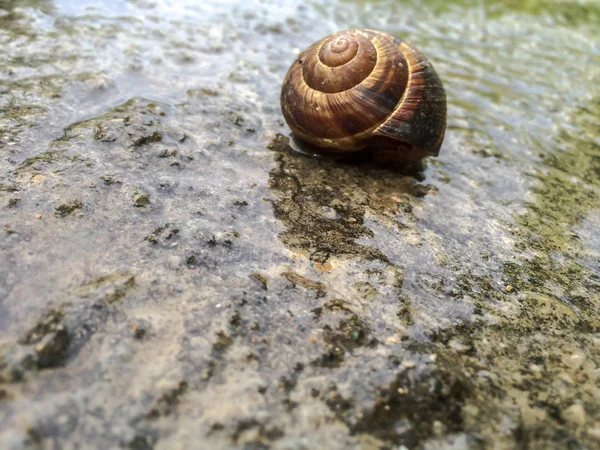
{"x": 365, "y": 89}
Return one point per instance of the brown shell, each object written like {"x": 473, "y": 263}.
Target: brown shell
{"x": 365, "y": 88}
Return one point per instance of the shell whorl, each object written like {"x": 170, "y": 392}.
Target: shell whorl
{"x": 339, "y": 63}
{"x": 341, "y": 91}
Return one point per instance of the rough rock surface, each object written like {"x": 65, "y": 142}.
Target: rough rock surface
{"x": 174, "y": 275}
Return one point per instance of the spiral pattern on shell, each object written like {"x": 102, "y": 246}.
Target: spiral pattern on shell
{"x": 359, "y": 88}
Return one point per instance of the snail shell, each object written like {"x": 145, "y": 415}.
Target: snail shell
{"x": 364, "y": 88}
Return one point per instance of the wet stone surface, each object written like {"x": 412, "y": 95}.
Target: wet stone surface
{"x": 174, "y": 274}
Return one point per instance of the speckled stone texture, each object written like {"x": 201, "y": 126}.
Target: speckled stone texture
{"x": 174, "y": 274}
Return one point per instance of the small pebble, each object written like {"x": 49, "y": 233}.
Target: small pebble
{"x": 458, "y": 346}
{"x": 438, "y": 428}
{"x": 392, "y": 340}
{"x": 575, "y": 415}
{"x": 536, "y": 371}
{"x": 575, "y": 360}
{"x": 594, "y": 433}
